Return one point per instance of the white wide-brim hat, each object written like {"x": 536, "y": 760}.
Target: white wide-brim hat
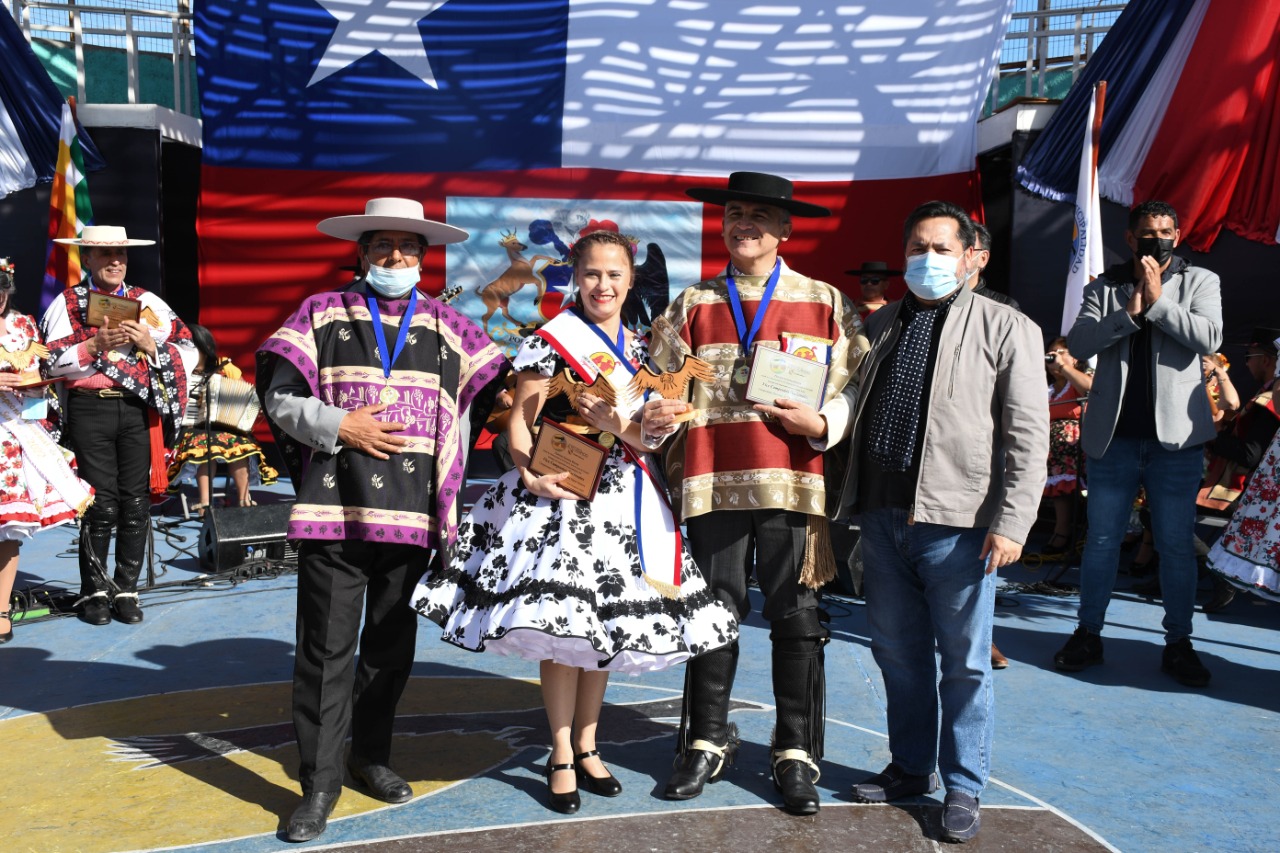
{"x": 103, "y": 235}
{"x": 392, "y": 214}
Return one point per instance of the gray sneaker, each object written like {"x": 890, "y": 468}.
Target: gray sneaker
{"x": 894, "y": 783}
{"x": 961, "y": 818}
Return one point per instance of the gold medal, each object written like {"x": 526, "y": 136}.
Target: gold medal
{"x": 742, "y": 374}
{"x": 388, "y": 395}
{"x": 607, "y": 439}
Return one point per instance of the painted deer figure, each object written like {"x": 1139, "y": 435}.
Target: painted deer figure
{"x": 497, "y": 294}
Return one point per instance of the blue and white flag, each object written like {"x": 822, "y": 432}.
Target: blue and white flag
{"x": 1086, "y": 236}
{"x": 30, "y": 115}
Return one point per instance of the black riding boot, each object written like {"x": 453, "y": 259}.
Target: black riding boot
{"x": 96, "y": 529}
{"x": 707, "y": 741}
{"x": 799, "y": 691}
{"x": 131, "y": 550}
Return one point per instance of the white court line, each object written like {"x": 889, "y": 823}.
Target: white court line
{"x": 1039, "y": 803}
{"x": 651, "y": 815}
{"x": 993, "y": 780}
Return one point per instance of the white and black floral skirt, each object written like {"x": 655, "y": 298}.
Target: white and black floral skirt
{"x": 561, "y": 580}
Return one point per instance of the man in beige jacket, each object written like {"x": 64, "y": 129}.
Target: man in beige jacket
{"x": 950, "y": 442}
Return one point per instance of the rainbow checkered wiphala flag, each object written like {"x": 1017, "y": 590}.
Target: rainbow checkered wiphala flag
{"x": 69, "y": 211}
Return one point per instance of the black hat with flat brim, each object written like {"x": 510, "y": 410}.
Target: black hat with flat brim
{"x": 874, "y": 269}
{"x": 1264, "y": 338}
{"x": 758, "y": 187}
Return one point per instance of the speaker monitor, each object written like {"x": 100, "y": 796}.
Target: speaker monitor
{"x": 229, "y": 533}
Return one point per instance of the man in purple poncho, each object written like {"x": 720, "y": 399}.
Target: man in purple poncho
{"x": 374, "y": 414}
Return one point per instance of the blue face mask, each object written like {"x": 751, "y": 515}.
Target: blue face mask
{"x": 931, "y": 276}
{"x": 392, "y": 284}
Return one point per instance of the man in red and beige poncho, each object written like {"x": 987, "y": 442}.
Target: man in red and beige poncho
{"x": 749, "y": 477}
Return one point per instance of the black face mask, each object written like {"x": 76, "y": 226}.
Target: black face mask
{"x": 1156, "y": 247}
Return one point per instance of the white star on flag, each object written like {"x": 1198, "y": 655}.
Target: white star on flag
{"x": 389, "y": 27}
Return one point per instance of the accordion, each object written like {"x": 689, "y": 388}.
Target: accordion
{"x": 233, "y": 404}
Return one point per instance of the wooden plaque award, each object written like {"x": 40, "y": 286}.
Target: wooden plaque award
{"x": 117, "y": 309}
{"x": 557, "y": 450}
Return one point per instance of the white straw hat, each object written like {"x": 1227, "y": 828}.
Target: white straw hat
{"x": 392, "y": 214}
{"x": 103, "y": 235}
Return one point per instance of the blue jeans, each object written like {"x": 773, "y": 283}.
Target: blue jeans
{"x": 1172, "y": 478}
{"x": 926, "y": 588}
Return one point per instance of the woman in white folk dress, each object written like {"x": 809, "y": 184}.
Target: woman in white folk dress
{"x": 584, "y": 587}
{"x": 39, "y": 488}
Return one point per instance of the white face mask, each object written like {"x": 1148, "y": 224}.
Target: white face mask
{"x": 392, "y": 284}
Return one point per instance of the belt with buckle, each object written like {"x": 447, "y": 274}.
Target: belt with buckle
{"x": 98, "y": 392}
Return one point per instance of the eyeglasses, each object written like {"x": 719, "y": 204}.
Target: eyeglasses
{"x": 408, "y": 248}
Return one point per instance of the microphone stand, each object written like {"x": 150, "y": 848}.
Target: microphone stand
{"x": 166, "y": 526}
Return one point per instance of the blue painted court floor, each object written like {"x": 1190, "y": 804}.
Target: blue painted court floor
{"x": 176, "y": 733}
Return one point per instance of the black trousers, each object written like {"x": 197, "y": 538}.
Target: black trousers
{"x": 336, "y": 582}
{"x": 113, "y": 450}
{"x": 113, "y": 454}
{"x": 727, "y": 545}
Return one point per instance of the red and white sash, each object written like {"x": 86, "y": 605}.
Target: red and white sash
{"x": 589, "y": 354}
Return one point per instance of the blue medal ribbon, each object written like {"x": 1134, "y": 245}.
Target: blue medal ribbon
{"x": 405, "y": 322}
{"x": 745, "y": 338}
{"x": 618, "y": 348}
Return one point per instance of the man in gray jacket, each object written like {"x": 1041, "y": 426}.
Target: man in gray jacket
{"x": 950, "y": 443}
{"x": 1148, "y": 321}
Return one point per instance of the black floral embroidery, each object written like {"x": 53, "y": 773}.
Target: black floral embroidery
{"x": 570, "y": 572}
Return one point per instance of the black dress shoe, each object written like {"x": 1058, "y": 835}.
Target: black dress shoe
{"x": 381, "y": 781}
{"x": 567, "y": 803}
{"x": 704, "y": 763}
{"x": 606, "y": 787}
{"x": 311, "y": 817}
{"x": 793, "y": 776}
{"x": 126, "y": 607}
{"x": 95, "y": 610}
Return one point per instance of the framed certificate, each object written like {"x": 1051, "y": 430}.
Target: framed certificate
{"x": 557, "y": 449}
{"x": 780, "y": 375}
{"x": 117, "y": 309}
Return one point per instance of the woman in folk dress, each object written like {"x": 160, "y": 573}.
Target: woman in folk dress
{"x": 584, "y": 587}
{"x": 38, "y": 487}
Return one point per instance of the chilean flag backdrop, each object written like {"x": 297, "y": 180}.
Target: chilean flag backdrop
{"x": 311, "y": 107}
{"x": 1192, "y": 117}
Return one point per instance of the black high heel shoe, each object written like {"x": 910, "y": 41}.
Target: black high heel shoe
{"x": 1148, "y": 568}
{"x": 1056, "y": 546}
{"x": 601, "y": 787}
{"x": 568, "y": 803}
{"x": 8, "y": 635}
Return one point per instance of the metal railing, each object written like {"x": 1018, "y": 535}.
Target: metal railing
{"x": 1044, "y": 42}
{"x": 1057, "y": 36}
{"x": 135, "y": 31}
